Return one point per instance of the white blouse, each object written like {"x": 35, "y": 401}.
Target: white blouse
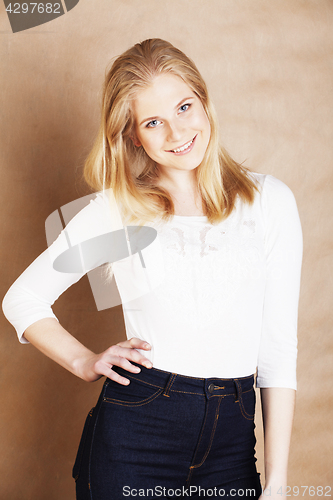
{"x": 212, "y": 300}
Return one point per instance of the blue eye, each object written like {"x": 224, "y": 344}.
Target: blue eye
{"x": 184, "y": 107}
{"x": 152, "y": 124}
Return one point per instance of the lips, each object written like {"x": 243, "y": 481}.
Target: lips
{"x": 185, "y": 148}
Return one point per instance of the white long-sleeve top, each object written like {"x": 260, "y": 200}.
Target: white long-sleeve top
{"x": 212, "y": 300}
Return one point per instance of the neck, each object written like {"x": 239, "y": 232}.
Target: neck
{"x": 179, "y": 181}
{"x": 182, "y": 187}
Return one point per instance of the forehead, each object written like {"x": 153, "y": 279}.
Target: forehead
{"x": 165, "y": 92}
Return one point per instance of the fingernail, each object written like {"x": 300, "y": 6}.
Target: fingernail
{"x": 148, "y": 364}
{"x": 137, "y": 369}
{"x": 147, "y": 346}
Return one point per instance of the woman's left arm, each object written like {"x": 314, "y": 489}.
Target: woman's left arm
{"x": 278, "y": 412}
{"x": 276, "y": 375}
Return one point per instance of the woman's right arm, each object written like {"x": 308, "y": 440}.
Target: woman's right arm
{"x": 27, "y": 305}
{"x": 58, "y": 344}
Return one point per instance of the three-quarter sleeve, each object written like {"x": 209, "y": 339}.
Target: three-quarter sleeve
{"x": 283, "y": 250}
{"x": 32, "y": 295}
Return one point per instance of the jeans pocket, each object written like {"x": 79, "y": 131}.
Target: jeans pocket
{"x": 83, "y": 440}
{"x": 137, "y": 393}
{"x": 247, "y": 404}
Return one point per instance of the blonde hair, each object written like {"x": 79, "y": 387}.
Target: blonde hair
{"x": 114, "y": 162}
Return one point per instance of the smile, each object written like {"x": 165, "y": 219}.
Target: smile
{"x": 186, "y": 148}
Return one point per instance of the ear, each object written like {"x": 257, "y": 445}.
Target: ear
{"x": 135, "y": 140}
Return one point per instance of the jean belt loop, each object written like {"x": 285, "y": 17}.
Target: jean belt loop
{"x": 171, "y": 380}
{"x": 238, "y": 389}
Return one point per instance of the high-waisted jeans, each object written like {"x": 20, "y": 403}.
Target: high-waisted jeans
{"x": 169, "y": 436}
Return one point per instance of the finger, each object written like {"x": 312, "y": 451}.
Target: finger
{"x": 135, "y": 343}
{"x": 111, "y": 374}
{"x": 128, "y": 353}
{"x": 118, "y": 378}
{"x": 125, "y": 362}
{"x": 135, "y": 356}
{"x": 103, "y": 368}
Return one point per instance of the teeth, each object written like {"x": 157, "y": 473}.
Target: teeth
{"x": 178, "y": 150}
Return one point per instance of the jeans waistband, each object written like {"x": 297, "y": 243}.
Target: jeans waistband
{"x": 175, "y": 382}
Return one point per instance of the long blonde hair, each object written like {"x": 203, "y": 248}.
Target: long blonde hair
{"x": 114, "y": 162}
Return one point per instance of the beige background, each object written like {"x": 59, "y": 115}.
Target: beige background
{"x": 268, "y": 65}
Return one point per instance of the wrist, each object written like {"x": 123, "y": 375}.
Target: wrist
{"x": 276, "y": 482}
{"x": 81, "y": 366}
{"x": 277, "y": 472}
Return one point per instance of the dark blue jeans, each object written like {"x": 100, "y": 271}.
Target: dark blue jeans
{"x": 169, "y": 436}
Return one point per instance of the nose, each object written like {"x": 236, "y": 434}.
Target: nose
{"x": 175, "y": 132}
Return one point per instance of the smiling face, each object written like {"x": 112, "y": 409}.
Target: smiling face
{"x": 171, "y": 124}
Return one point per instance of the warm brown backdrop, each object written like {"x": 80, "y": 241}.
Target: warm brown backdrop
{"x": 268, "y": 65}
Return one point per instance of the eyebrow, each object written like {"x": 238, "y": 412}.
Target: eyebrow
{"x": 177, "y": 106}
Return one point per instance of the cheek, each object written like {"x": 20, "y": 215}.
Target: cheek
{"x": 202, "y": 122}
{"x": 206, "y": 122}
{"x": 208, "y": 129}
{"x": 151, "y": 145}
{"x": 205, "y": 129}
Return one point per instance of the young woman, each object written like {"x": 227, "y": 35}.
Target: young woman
{"x": 208, "y": 303}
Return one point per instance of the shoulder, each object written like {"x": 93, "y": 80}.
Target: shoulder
{"x": 279, "y": 212}
{"x": 273, "y": 192}
{"x": 275, "y": 204}
{"x": 90, "y": 216}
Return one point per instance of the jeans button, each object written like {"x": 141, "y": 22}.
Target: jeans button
{"x": 211, "y": 388}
